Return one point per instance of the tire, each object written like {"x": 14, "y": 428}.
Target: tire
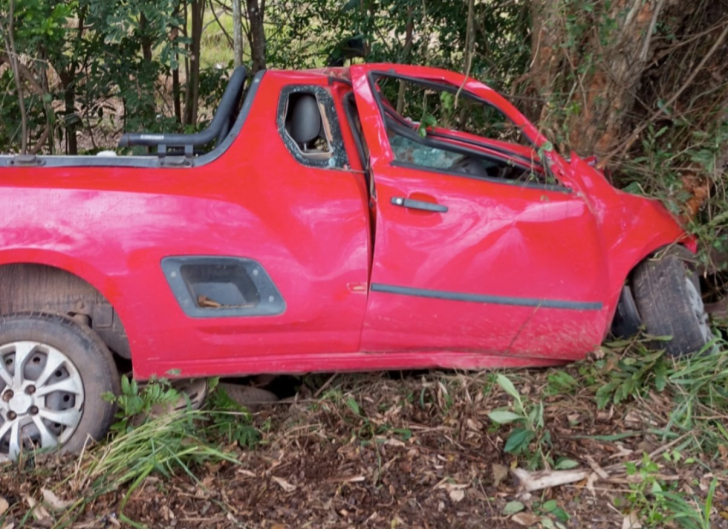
{"x": 65, "y": 371}
{"x": 248, "y": 396}
{"x": 667, "y": 293}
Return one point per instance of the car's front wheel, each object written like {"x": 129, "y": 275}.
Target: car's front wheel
{"x": 667, "y": 294}
{"x": 53, "y": 373}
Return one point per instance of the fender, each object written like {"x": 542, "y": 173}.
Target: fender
{"x": 632, "y": 227}
{"x": 37, "y": 280}
{"x": 82, "y": 269}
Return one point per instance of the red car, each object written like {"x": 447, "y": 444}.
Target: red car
{"x": 373, "y": 217}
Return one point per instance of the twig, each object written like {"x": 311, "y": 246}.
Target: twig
{"x": 227, "y": 36}
{"x": 469, "y": 44}
{"x": 326, "y": 385}
{"x": 41, "y": 140}
{"x": 652, "y": 454}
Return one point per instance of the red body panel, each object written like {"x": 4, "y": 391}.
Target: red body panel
{"x": 310, "y": 228}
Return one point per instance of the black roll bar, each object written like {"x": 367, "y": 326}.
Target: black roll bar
{"x": 217, "y": 129}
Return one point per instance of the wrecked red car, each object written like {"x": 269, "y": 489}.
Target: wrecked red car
{"x": 372, "y": 217}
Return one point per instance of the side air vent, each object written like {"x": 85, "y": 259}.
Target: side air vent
{"x": 216, "y": 287}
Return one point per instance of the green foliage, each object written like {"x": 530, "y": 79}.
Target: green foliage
{"x": 231, "y": 422}
{"x": 632, "y": 376}
{"x": 659, "y": 504}
{"x": 529, "y": 421}
{"x": 428, "y": 120}
{"x": 161, "y": 445}
{"x": 696, "y": 385}
{"x": 40, "y": 22}
{"x": 308, "y": 33}
{"x": 553, "y": 515}
{"x": 560, "y": 383}
{"x": 84, "y": 52}
{"x": 133, "y": 401}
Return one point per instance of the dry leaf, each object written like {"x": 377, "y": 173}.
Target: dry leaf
{"x": 205, "y": 302}
{"x": 451, "y": 486}
{"x": 526, "y": 519}
{"x": 4, "y": 505}
{"x": 473, "y": 425}
{"x": 631, "y": 521}
{"x": 500, "y": 473}
{"x": 284, "y": 484}
{"x": 39, "y": 512}
{"x": 590, "y": 483}
{"x": 457, "y": 495}
{"x": 623, "y": 452}
{"x": 53, "y": 501}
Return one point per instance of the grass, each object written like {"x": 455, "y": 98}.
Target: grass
{"x": 697, "y": 388}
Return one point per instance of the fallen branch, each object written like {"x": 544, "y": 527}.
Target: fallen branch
{"x": 545, "y": 479}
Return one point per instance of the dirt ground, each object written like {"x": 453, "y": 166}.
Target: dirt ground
{"x": 382, "y": 451}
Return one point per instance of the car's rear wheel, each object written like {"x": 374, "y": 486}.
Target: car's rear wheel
{"x": 667, "y": 293}
{"x": 53, "y": 373}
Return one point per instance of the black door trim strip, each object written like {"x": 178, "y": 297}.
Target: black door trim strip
{"x": 481, "y": 298}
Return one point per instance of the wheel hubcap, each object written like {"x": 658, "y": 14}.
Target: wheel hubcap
{"x": 42, "y": 398}
{"x": 20, "y": 403}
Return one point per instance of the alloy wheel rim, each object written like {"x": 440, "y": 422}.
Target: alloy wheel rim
{"x": 41, "y": 398}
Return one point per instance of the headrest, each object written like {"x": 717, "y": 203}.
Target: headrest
{"x": 304, "y": 122}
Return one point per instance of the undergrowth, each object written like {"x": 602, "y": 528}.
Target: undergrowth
{"x": 152, "y": 437}
{"x": 696, "y": 386}
{"x": 680, "y": 404}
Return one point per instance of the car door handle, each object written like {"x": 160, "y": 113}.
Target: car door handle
{"x": 418, "y": 204}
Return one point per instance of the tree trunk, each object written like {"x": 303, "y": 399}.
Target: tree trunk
{"x": 68, "y": 82}
{"x": 237, "y": 33}
{"x": 197, "y": 8}
{"x": 256, "y": 16}
{"x": 586, "y": 101}
{"x": 408, "y": 36}
{"x": 176, "y": 90}
{"x": 146, "y": 38}
{"x": 176, "y": 95}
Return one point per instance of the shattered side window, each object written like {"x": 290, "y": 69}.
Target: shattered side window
{"x": 308, "y": 125}
{"x": 410, "y": 151}
{"x": 446, "y": 108}
{"x": 439, "y": 126}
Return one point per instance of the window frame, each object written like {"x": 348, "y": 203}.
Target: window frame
{"x": 508, "y": 156}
